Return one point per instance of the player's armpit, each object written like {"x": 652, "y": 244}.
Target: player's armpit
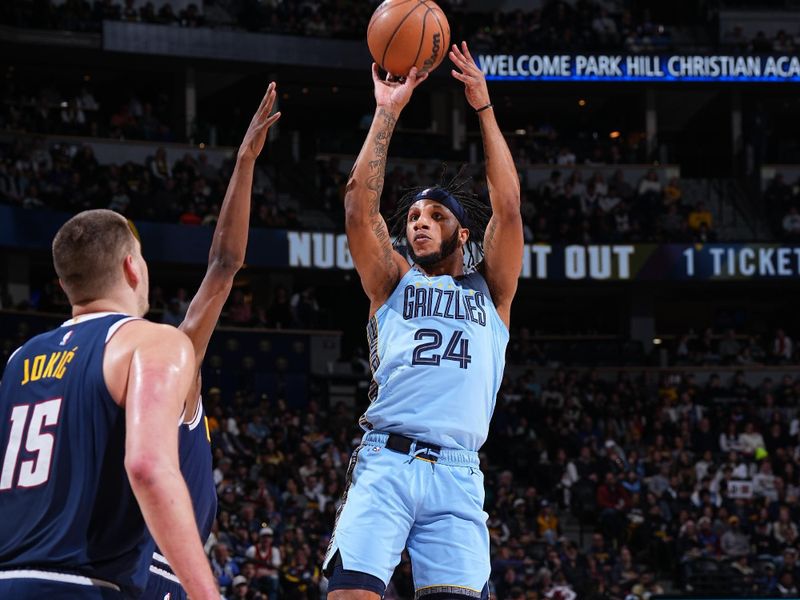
{"x": 503, "y": 247}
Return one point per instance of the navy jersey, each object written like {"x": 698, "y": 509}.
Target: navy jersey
{"x": 195, "y": 456}
{"x": 65, "y": 499}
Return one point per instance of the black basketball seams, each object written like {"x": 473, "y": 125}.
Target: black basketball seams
{"x": 399, "y": 25}
{"x": 445, "y": 36}
{"x": 422, "y": 34}
{"x": 377, "y": 14}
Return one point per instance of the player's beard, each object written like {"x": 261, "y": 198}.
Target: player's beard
{"x": 446, "y": 248}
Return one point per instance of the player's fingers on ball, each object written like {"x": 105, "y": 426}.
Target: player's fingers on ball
{"x": 375, "y": 73}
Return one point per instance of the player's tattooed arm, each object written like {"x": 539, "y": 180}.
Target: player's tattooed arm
{"x": 503, "y": 242}
{"x": 378, "y": 264}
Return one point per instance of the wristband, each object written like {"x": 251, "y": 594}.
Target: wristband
{"x": 483, "y": 108}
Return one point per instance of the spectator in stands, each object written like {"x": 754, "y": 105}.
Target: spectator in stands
{"x": 791, "y": 225}
{"x": 266, "y": 559}
{"x": 782, "y": 347}
{"x": 729, "y": 347}
{"x": 784, "y": 529}
{"x": 305, "y": 309}
{"x": 750, "y": 440}
{"x": 565, "y": 158}
{"x": 613, "y": 500}
{"x": 735, "y": 543}
{"x": 223, "y": 566}
{"x": 699, "y": 216}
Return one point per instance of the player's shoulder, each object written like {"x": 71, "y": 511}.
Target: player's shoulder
{"x": 138, "y": 332}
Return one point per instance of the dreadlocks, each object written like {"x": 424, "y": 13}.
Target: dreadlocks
{"x": 477, "y": 212}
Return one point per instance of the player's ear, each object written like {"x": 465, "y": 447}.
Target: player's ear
{"x": 463, "y": 235}
{"x": 131, "y": 270}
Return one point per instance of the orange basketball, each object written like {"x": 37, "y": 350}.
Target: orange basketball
{"x": 407, "y": 33}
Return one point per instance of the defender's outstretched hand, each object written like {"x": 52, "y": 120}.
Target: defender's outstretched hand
{"x": 395, "y": 94}
{"x": 470, "y": 75}
{"x": 256, "y": 135}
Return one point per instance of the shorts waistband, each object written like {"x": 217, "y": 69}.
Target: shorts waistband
{"x": 56, "y": 576}
{"x": 453, "y": 457}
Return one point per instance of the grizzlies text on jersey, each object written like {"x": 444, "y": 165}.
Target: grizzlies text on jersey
{"x": 65, "y": 500}
{"x": 437, "y": 352}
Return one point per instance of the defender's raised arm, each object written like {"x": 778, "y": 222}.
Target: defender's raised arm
{"x": 503, "y": 244}
{"x": 377, "y": 263}
{"x": 229, "y": 244}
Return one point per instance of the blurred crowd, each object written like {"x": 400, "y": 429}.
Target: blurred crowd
{"x": 782, "y": 42}
{"x": 732, "y": 349}
{"x": 37, "y": 174}
{"x": 782, "y": 207}
{"x": 697, "y": 482}
{"x": 556, "y": 25}
{"x": 571, "y": 26}
{"x": 42, "y": 108}
{"x": 597, "y": 486}
{"x": 570, "y": 208}
{"x": 664, "y": 480}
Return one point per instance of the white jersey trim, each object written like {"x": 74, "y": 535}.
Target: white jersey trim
{"x": 198, "y": 415}
{"x": 62, "y": 577}
{"x": 160, "y": 558}
{"x": 115, "y": 327}
{"x": 164, "y": 574}
{"x": 13, "y": 354}
{"x": 88, "y": 317}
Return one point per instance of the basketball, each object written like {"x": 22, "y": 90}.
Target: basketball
{"x": 407, "y": 33}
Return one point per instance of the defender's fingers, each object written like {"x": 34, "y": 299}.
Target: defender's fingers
{"x": 270, "y": 88}
{"x": 273, "y": 119}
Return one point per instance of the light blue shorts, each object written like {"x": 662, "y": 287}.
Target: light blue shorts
{"x": 394, "y": 501}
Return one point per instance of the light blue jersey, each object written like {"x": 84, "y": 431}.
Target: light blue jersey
{"x": 437, "y": 352}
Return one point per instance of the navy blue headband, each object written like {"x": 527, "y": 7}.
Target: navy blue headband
{"x": 447, "y": 199}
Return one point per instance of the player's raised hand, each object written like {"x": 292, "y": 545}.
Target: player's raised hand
{"x": 395, "y": 94}
{"x": 475, "y": 88}
{"x": 256, "y": 135}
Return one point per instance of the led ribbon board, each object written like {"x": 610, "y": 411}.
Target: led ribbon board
{"x": 620, "y": 67}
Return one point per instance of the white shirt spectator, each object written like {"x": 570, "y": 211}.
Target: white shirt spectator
{"x": 565, "y": 158}
{"x": 649, "y": 185}
{"x": 750, "y": 441}
{"x": 764, "y": 485}
{"x": 728, "y": 443}
{"x": 604, "y": 25}
{"x": 791, "y": 222}
{"x": 782, "y": 346}
{"x": 275, "y": 555}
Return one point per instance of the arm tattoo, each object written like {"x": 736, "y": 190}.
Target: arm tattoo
{"x": 377, "y": 170}
{"x": 377, "y": 167}
{"x": 490, "y": 233}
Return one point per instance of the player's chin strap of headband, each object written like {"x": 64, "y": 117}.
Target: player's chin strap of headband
{"x": 447, "y": 199}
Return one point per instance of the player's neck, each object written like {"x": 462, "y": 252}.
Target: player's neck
{"x": 112, "y": 305}
{"x": 453, "y": 265}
